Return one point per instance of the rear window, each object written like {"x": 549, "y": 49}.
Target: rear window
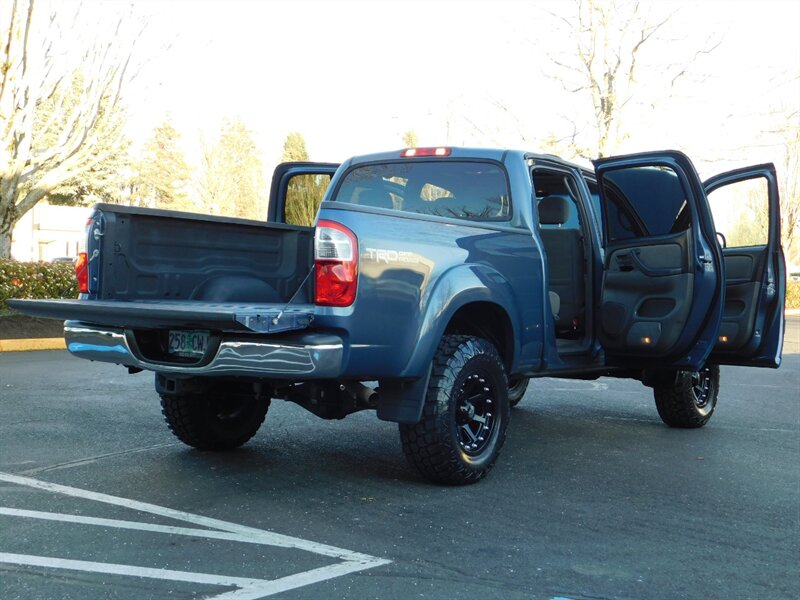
{"x": 475, "y": 191}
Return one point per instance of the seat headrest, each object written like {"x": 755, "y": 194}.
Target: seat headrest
{"x": 553, "y": 210}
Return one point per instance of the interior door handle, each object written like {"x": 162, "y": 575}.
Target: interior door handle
{"x": 649, "y": 271}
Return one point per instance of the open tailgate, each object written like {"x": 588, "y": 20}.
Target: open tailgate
{"x": 160, "y": 314}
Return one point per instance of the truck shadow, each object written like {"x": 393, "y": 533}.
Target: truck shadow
{"x": 359, "y": 449}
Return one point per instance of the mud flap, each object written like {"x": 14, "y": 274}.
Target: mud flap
{"x": 401, "y": 401}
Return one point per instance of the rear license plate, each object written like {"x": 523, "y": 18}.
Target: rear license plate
{"x": 190, "y": 344}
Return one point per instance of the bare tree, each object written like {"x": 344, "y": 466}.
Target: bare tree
{"x": 790, "y": 187}
{"x": 40, "y": 60}
{"x": 610, "y": 42}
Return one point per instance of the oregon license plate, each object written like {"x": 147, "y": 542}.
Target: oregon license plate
{"x": 188, "y": 343}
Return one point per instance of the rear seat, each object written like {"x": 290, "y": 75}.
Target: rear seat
{"x": 564, "y": 263}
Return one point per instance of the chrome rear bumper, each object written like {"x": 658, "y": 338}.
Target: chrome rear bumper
{"x": 294, "y": 356}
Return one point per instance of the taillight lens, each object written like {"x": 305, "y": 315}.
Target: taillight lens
{"x": 335, "y": 264}
{"x": 82, "y": 272}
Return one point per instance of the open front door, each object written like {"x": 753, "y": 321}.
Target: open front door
{"x": 297, "y": 190}
{"x": 661, "y": 297}
{"x": 746, "y": 211}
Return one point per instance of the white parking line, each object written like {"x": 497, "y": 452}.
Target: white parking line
{"x": 246, "y": 588}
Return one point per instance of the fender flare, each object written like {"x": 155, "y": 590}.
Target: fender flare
{"x": 401, "y": 400}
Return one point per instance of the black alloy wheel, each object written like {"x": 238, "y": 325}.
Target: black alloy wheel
{"x": 465, "y": 414}
{"x": 474, "y": 416}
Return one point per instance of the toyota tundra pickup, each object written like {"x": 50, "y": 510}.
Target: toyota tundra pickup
{"x": 434, "y": 283}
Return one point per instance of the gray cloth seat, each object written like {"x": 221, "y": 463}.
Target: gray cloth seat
{"x": 565, "y": 263}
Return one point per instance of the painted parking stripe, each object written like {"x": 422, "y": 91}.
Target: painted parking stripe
{"x": 214, "y": 529}
{"x": 114, "y": 569}
{"x": 248, "y": 588}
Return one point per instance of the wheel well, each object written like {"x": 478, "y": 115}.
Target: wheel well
{"x": 486, "y": 320}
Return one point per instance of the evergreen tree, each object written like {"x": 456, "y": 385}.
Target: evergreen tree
{"x": 304, "y": 193}
{"x": 294, "y": 148}
{"x": 410, "y": 139}
{"x": 232, "y": 182}
{"x": 163, "y": 175}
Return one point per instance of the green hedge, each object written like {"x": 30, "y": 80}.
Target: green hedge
{"x": 36, "y": 280}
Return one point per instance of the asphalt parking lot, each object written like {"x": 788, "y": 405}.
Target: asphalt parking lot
{"x": 592, "y": 498}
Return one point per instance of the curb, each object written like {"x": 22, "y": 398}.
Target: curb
{"x": 32, "y": 344}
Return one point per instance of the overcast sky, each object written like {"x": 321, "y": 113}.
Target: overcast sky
{"x": 352, "y": 77}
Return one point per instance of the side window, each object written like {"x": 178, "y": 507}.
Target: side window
{"x": 303, "y": 196}
{"x": 741, "y": 212}
{"x": 556, "y": 192}
{"x": 643, "y": 202}
{"x": 594, "y": 191}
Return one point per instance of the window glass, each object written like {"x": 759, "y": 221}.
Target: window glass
{"x": 303, "y": 196}
{"x": 557, "y": 190}
{"x": 475, "y": 191}
{"x": 644, "y": 201}
{"x": 741, "y": 212}
{"x": 594, "y": 190}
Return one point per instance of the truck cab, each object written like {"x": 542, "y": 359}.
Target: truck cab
{"x": 636, "y": 271}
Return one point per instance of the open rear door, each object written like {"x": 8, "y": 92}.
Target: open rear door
{"x": 661, "y": 297}
{"x": 297, "y": 190}
{"x": 746, "y": 211}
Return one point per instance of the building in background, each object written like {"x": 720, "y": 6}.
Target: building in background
{"x": 48, "y": 232}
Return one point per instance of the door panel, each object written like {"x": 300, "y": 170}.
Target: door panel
{"x": 747, "y": 211}
{"x": 661, "y": 299}
{"x": 743, "y": 264}
{"x": 743, "y": 274}
{"x": 647, "y": 295}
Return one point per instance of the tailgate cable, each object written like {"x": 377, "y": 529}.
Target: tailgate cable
{"x": 276, "y": 319}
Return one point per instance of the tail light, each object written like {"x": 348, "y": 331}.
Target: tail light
{"x": 82, "y": 272}
{"x": 412, "y": 152}
{"x": 335, "y": 264}
{"x": 82, "y": 260}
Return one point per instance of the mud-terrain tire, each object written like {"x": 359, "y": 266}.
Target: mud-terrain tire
{"x": 517, "y": 386}
{"x": 687, "y": 400}
{"x": 465, "y": 414}
{"x": 213, "y": 421}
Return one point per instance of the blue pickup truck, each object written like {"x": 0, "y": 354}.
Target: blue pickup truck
{"x": 434, "y": 283}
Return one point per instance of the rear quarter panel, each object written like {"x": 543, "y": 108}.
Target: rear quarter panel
{"x": 415, "y": 272}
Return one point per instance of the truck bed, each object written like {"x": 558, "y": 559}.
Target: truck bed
{"x": 146, "y": 254}
{"x": 157, "y": 269}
